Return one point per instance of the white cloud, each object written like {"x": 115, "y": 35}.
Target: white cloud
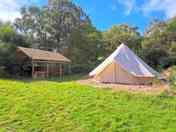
{"x": 114, "y": 7}
{"x": 10, "y": 9}
{"x": 168, "y": 7}
{"x": 8, "y": 16}
{"x": 129, "y": 5}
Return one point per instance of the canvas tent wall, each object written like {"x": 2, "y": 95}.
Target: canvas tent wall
{"x": 123, "y": 66}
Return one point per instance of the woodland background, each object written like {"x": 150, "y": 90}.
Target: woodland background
{"x": 63, "y": 27}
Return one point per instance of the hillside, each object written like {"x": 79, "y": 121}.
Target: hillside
{"x": 69, "y": 106}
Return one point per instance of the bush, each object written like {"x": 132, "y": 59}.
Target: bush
{"x": 82, "y": 68}
{"x": 156, "y": 57}
{"x": 4, "y": 73}
{"x": 172, "y": 77}
{"x": 166, "y": 62}
{"x": 156, "y": 82}
{"x": 167, "y": 94}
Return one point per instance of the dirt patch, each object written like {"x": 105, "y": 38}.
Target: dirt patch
{"x": 151, "y": 89}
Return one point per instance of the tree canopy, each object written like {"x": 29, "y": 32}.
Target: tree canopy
{"x": 122, "y": 34}
{"x": 159, "y": 43}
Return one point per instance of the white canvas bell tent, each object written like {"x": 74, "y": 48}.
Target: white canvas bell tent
{"x": 123, "y": 66}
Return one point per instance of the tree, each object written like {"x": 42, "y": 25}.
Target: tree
{"x": 87, "y": 48}
{"x": 6, "y": 32}
{"x": 122, "y": 34}
{"x": 63, "y": 27}
{"x": 9, "y": 40}
{"x": 159, "y": 42}
{"x": 50, "y": 27}
{"x": 155, "y": 27}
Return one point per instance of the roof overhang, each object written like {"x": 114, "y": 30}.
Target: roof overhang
{"x": 42, "y": 59}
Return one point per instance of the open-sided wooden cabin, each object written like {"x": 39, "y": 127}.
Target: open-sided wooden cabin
{"x": 40, "y": 63}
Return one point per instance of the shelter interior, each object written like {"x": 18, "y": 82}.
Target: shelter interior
{"x": 41, "y": 68}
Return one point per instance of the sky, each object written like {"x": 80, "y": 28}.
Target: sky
{"x": 105, "y": 13}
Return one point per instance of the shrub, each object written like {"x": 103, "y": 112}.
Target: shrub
{"x": 166, "y": 62}
{"x": 172, "y": 77}
{"x": 156, "y": 81}
{"x": 82, "y": 68}
{"x": 156, "y": 57}
{"x": 167, "y": 94}
{"x": 3, "y": 73}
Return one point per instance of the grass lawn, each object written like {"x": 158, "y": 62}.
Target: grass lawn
{"x": 52, "y": 106}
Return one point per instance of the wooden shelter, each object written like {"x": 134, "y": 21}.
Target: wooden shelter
{"x": 42, "y": 64}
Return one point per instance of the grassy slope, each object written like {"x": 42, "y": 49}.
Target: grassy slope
{"x": 51, "y": 106}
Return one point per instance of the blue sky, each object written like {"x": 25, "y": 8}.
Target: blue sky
{"x": 134, "y": 12}
{"x": 105, "y": 13}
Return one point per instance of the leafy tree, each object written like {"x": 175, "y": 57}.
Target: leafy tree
{"x": 50, "y": 27}
{"x": 159, "y": 42}
{"x": 156, "y": 27}
{"x": 87, "y": 48}
{"x": 9, "y": 40}
{"x": 122, "y": 34}
{"x": 6, "y": 32}
{"x": 62, "y": 26}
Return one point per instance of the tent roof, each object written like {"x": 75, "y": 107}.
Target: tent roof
{"x": 36, "y": 54}
{"x": 128, "y": 61}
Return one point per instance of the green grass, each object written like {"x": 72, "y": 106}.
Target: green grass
{"x": 70, "y": 107}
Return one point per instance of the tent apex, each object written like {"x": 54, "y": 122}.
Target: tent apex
{"x": 121, "y": 45}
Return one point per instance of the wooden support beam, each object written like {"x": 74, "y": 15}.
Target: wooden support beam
{"x": 33, "y": 70}
{"x": 47, "y": 70}
{"x": 52, "y": 62}
{"x": 60, "y": 70}
{"x": 69, "y": 69}
{"x": 47, "y": 67}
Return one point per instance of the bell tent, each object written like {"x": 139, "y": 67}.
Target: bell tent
{"x": 124, "y": 67}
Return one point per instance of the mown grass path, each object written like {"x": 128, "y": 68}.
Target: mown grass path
{"x": 51, "y": 106}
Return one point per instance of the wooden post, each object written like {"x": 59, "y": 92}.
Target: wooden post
{"x": 47, "y": 70}
{"x": 33, "y": 70}
{"x": 60, "y": 70}
{"x": 69, "y": 69}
